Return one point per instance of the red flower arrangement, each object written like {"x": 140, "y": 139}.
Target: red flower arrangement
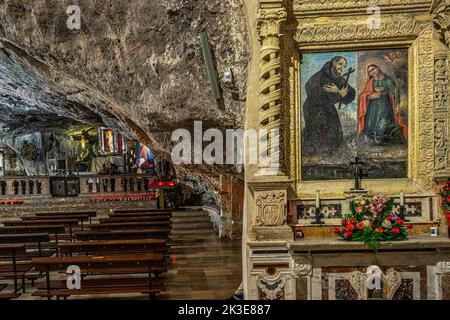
{"x": 445, "y": 200}
{"x": 373, "y": 221}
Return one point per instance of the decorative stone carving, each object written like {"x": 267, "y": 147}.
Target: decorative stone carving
{"x": 311, "y": 6}
{"x": 443, "y": 267}
{"x": 441, "y": 113}
{"x": 272, "y": 288}
{"x": 425, "y": 77}
{"x": 389, "y": 282}
{"x": 271, "y": 208}
{"x": 440, "y": 11}
{"x": 355, "y": 32}
{"x": 270, "y": 106}
{"x": 441, "y": 83}
{"x": 302, "y": 266}
{"x": 441, "y": 144}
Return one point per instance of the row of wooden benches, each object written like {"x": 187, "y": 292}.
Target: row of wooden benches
{"x": 33, "y": 236}
{"x": 121, "y": 234}
{"x": 101, "y": 251}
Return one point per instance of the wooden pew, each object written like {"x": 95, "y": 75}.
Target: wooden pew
{"x": 50, "y": 229}
{"x": 13, "y": 270}
{"x": 63, "y": 214}
{"x": 141, "y": 214}
{"x": 130, "y": 225}
{"x": 159, "y": 233}
{"x": 80, "y": 218}
{"x": 66, "y": 222}
{"x": 38, "y": 238}
{"x": 141, "y": 210}
{"x": 114, "y": 246}
{"x": 119, "y": 264}
{"x": 113, "y": 219}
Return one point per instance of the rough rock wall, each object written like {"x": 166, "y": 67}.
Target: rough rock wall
{"x": 134, "y": 65}
{"x": 139, "y": 59}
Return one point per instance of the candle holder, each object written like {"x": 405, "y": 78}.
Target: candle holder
{"x": 402, "y": 213}
{"x": 318, "y": 217}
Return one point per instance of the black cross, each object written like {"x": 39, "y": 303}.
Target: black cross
{"x": 358, "y": 173}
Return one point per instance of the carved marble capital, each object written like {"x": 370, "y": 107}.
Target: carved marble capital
{"x": 270, "y": 22}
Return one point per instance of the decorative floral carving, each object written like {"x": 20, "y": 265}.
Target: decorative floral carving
{"x": 441, "y": 115}
{"x": 426, "y": 134}
{"x": 337, "y": 5}
{"x": 302, "y": 266}
{"x": 441, "y": 144}
{"x": 443, "y": 267}
{"x": 271, "y": 209}
{"x": 272, "y": 288}
{"x": 354, "y": 32}
{"x": 390, "y": 282}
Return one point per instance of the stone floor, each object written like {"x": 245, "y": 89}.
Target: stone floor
{"x": 211, "y": 269}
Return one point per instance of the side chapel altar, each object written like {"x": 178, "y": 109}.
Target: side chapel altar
{"x": 359, "y": 95}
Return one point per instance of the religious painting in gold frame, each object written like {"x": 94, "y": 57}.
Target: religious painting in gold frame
{"x": 418, "y": 39}
{"x": 354, "y": 104}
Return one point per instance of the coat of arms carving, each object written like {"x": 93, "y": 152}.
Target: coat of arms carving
{"x": 271, "y": 209}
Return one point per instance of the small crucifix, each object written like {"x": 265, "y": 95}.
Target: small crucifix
{"x": 358, "y": 173}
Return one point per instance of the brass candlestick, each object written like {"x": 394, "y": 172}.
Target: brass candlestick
{"x": 318, "y": 217}
{"x": 402, "y": 213}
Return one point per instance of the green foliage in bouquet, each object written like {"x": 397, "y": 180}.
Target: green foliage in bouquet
{"x": 372, "y": 221}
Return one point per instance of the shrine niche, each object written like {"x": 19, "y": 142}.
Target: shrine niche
{"x": 364, "y": 111}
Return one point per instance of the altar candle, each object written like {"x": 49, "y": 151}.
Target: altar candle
{"x": 402, "y": 199}
{"x": 317, "y": 199}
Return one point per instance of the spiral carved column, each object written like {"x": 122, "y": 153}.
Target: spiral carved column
{"x": 270, "y": 20}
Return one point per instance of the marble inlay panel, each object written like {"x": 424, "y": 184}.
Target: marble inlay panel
{"x": 405, "y": 291}
{"x": 344, "y": 290}
{"x": 336, "y": 286}
{"x": 301, "y": 288}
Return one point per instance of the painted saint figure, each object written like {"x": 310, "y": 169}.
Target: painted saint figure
{"x": 379, "y": 115}
{"x": 322, "y": 133}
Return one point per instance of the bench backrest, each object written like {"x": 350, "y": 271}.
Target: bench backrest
{"x": 141, "y": 210}
{"x": 24, "y": 238}
{"x": 112, "y": 219}
{"x": 160, "y": 233}
{"x": 6, "y": 250}
{"x": 33, "y": 229}
{"x": 129, "y": 225}
{"x": 65, "y": 222}
{"x": 67, "y": 213}
{"x": 147, "y": 245}
{"x": 99, "y": 262}
{"x": 143, "y": 214}
{"x": 74, "y": 217}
